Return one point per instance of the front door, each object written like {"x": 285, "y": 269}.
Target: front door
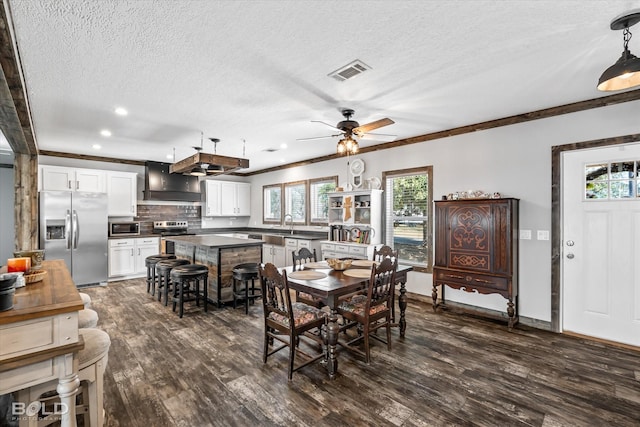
{"x": 601, "y": 243}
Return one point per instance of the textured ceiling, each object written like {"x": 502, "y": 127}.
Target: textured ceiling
{"x": 257, "y": 70}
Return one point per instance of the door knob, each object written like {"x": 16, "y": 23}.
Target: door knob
{"x": 570, "y": 256}
{"x": 570, "y": 243}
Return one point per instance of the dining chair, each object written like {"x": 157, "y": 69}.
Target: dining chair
{"x": 304, "y": 256}
{"x": 368, "y": 313}
{"x": 380, "y": 254}
{"x": 288, "y": 322}
{"x": 384, "y": 252}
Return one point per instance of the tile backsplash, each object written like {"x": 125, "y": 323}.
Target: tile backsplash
{"x": 148, "y": 213}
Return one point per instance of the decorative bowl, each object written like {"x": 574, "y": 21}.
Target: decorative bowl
{"x": 34, "y": 276}
{"x": 339, "y": 264}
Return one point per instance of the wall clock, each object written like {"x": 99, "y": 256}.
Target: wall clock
{"x": 357, "y": 167}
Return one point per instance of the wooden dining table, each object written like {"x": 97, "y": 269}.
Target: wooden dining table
{"x": 336, "y": 284}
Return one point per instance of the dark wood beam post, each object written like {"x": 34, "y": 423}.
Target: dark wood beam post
{"x": 15, "y": 123}
{"x": 26, "y": 204}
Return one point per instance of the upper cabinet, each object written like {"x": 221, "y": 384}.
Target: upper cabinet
{"x": 122, "y": 190}
{"x": 59, "y": 178}
{"x": 227, "y": 198}
{"x": 121, "y": 187}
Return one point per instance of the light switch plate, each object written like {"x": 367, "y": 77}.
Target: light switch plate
{"x": 525, "y": 234}
{"x": 543, "y": 234}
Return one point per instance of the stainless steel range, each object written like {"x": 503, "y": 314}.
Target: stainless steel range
{"x": 170, "y": 228}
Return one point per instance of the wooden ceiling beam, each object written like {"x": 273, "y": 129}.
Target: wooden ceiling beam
{"x": 15, "y": 118}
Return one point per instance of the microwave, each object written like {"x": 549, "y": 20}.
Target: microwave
{"x": 129, "y": 228}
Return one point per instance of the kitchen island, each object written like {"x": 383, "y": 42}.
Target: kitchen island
{"x": 39, "y": 337}
{"x": 220, "y": 254}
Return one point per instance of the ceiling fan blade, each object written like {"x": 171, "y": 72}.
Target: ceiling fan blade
{"x": 318, "y": 137}
{"x": 362, "y": 129}
{"x": 325, "y": 123}
{"x": 379, "y": 137}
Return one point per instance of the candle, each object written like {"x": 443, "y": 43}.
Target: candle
{"x": 19, "y": 264}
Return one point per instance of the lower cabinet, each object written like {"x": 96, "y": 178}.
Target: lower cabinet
{"x": 127, "y": 256}
{"x": 346, "y": 250}
{"x": 274, "y": 254}
{"x": 293, "y": 245}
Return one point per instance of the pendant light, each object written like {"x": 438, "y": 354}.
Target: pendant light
{"x": 625, "y": 73}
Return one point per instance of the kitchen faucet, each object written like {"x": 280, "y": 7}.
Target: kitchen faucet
{"x": 290, "y": 219}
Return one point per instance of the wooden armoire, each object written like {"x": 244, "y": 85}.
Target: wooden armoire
{"x": 476, "y": 249}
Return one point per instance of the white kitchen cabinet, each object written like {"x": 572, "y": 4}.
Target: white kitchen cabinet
{"x": 127, "y": 256}
{"x": 274, "y": 254}
{"x": 121, "y": 257}
{"x": 122, "y": 188}
{"x": 346, "y": 250}
{"x": 60, "y": 178}
{"x": 227, "y": 198}
{"x": 212, "y": 198}
{"x": 293, "y": 245}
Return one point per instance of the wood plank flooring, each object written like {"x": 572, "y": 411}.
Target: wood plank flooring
{"x": 451, "y": 370}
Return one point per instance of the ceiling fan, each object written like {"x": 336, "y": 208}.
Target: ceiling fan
{"x": 350, "y": 128}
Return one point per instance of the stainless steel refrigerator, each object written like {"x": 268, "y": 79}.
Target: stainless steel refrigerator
{"x": 73, "y": 227}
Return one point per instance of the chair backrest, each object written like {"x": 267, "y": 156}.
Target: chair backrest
{"x": 275, "y": 292}
{"x": 384, "y": 252}
{"x": 382, "y": 284}
{"x": 303, "y": 256}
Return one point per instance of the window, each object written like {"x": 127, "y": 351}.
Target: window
{"x": 408, "y": 215}
{"x": 319, "y": 200}
{"x": 272, "y": 204}
{"x": 616, "y": 180}
{"x": 295, "y": 201}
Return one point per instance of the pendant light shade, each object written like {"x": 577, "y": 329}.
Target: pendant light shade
{"x": 625, "y": 73}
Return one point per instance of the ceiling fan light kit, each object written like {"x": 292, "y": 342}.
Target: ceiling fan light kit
{"x": 625, "y": 73}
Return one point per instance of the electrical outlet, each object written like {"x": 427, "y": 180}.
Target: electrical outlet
{"x": 525, "y": 234}
{"x": 543, "y": 234}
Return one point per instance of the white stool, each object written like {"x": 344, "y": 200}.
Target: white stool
{"x": 86, "y": 299}
{"x": 92, "y": 361}
{"x": 87, "y": 318}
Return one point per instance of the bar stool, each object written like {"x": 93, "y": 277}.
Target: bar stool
{"x": 243, "y": 273}
{"x": 182, "y": 277}
{"x": 87, "y": 318}
{"x": 163, "y": 268}
{"x": 150, "y": 262}
{"x": 86, "y": 299}
{"x": 92, "y": 362}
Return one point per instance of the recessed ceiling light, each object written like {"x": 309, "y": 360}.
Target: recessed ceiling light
{"x": 105, "y": 132}
{"x": 169, "y": 156}
{"x": 283, "y": 145}
{"x": 282, "y": 160}
{"x": 121, "y": 111}
{"x": 96, "y": 146}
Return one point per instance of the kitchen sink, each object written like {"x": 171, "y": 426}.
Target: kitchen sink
{"x": 273, "y": 239}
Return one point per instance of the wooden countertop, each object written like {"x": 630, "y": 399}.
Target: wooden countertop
{"x": 55, "y": 294}
{"x": 214, "y": 241}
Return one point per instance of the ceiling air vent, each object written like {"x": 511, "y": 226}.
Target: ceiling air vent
{"x": 349, "y": 70}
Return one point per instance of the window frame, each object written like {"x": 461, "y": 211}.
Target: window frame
{"x": 287, "y": 185}
{"x": 314, "y": 203}
{"x": 266, "y": 220}
{"x": 428, "y": 227}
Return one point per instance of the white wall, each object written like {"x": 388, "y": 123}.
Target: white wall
{"x": 7, "y": 229}
{"x": 513, "y": 160}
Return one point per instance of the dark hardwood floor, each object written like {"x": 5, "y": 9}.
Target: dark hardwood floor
{"x": 451, "y": 370}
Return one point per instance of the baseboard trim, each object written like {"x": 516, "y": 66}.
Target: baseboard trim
{"x": 481, "y": 311}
